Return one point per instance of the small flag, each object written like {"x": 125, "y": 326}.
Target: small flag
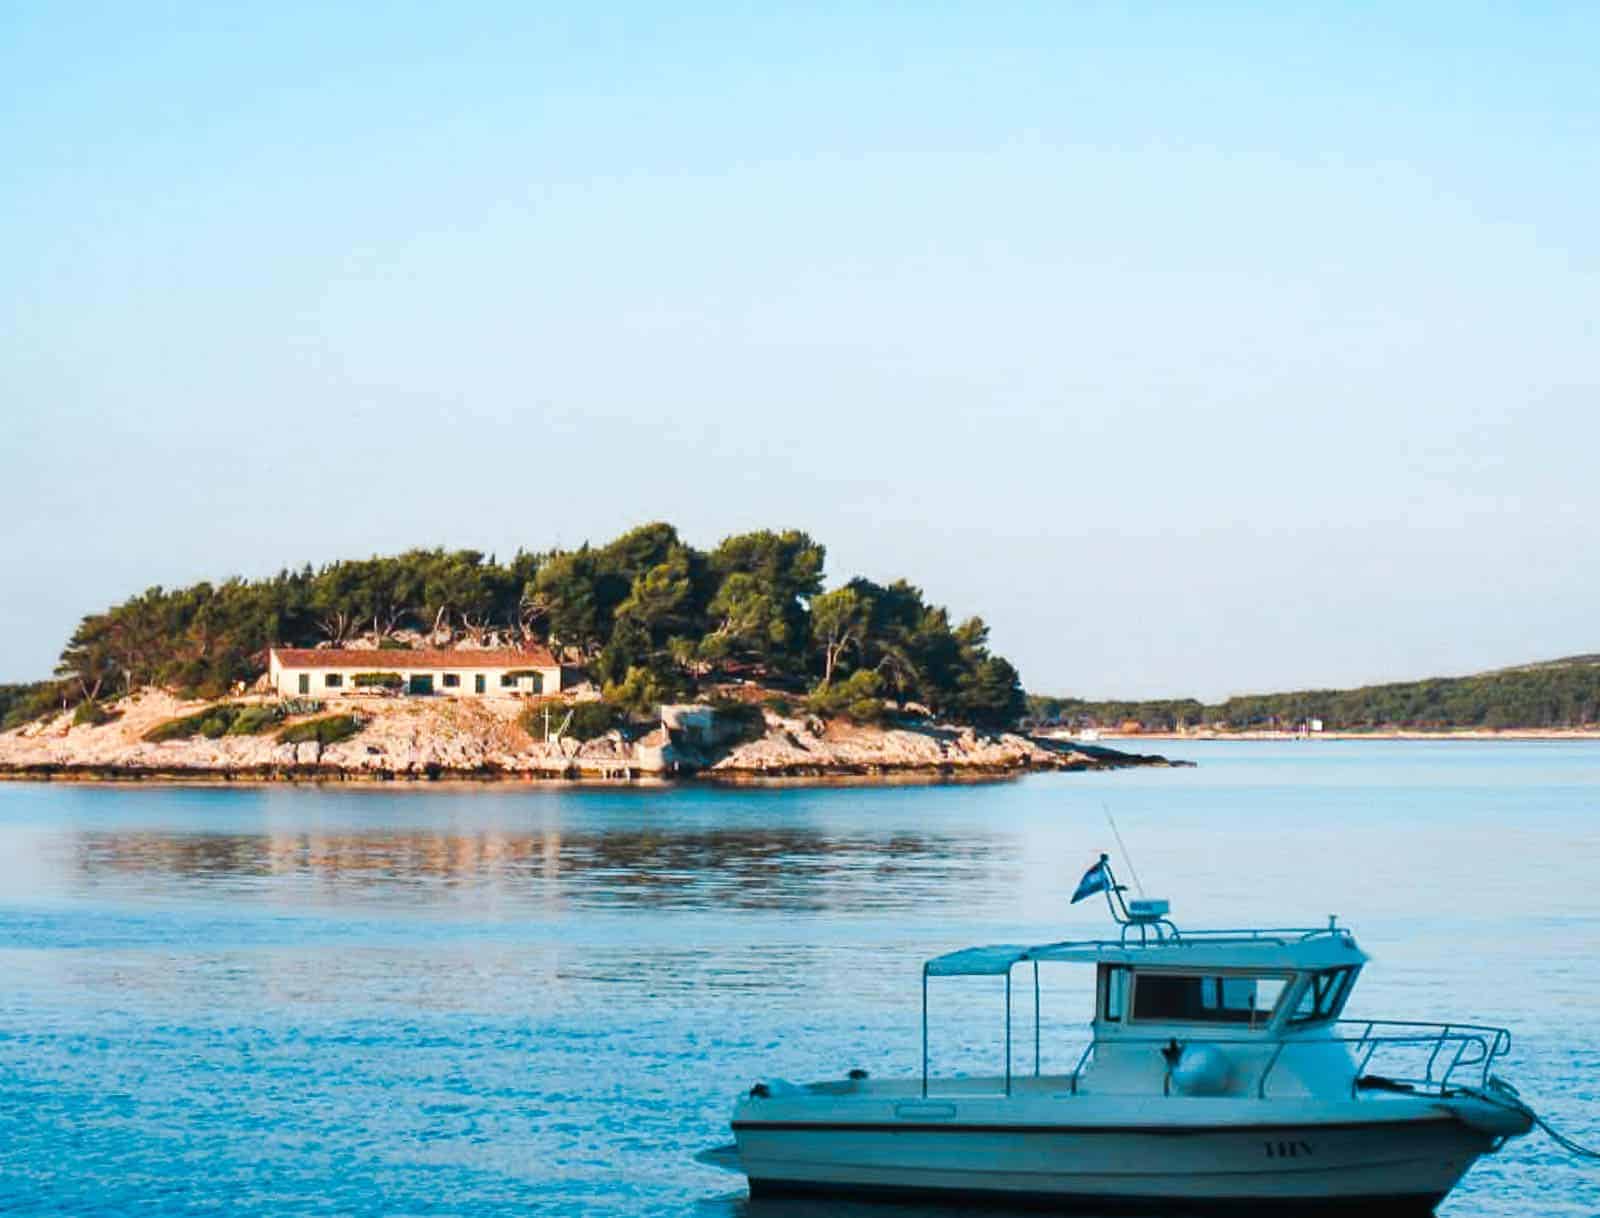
{"x": 1096, "y": 879}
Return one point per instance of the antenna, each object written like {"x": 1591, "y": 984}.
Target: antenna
{"x": 1122, "y": 846}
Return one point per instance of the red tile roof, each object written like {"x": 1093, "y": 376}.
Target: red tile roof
{"x": 373, "y": 660}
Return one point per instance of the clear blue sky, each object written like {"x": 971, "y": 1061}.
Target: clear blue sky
{"x": 1200, "y": 348}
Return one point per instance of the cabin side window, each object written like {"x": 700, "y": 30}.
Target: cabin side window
{"x": 1114, "y": 992}
{"x": 1199, "y": 998}
{"x": 1323, "y": 995}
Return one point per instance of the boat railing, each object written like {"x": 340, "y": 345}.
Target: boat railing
{"x": 1282, "y": 936}
{"x": 1277, "y": 936}
{"x": 1456, "y": 1053}
{"x": 1150, "y": 926}
{"x": 1453, "y": 1048}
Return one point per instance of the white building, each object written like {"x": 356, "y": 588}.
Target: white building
{"x": 323, "y": 672}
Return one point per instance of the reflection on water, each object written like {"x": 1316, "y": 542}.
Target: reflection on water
{"x": 791, "y": 869}
{"x": 268, "y": 1002}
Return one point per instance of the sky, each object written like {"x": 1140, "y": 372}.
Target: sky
{"x": 1198, "y": 348}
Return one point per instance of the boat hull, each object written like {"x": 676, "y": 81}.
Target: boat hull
{"x": 1102, "y": 1205}
{"x": 1386, "y": 1166}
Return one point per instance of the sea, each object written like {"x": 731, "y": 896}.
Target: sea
{"x": 441, "y": 999}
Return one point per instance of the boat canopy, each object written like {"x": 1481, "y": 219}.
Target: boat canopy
{"x": 1294, "y": 949}
{"x": 991, "y": 961}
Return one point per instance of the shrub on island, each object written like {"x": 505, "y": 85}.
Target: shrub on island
{"x": 588, "y": 719}
{"x": 325, "y": 731}
{"x": 643, "y": 688}
{"x": 92, "y": 713}
{"x": 253, "y": 720}
{"x": 855, "y": 698}
{"x": 225, "y": 719}
{"x": 739, "y": 722}
{"x": 24, "y": 703}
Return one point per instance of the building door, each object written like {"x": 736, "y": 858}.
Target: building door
{"x": 480, "y": 683}
{"x": 305, "y": 683}
{"x": 421, "y": 683}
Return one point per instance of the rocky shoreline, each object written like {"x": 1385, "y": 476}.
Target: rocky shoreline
{"x": 440, "y": 739}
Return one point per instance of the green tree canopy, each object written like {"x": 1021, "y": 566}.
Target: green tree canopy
{"x": 650, "y": 613}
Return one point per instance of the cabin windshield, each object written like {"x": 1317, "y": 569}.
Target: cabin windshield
{"x": 1322, "y": 995}
{"x": 1248, "y": 999}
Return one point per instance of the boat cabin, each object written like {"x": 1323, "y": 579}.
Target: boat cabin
{"x": 1251, "y": 985}
{"x": 1217, "y": 1013}
{"x": 1201, "y": 1013}
{"x": 1195, "y": 1012}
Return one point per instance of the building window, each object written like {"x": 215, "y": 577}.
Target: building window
{"x": 507, "y": 681}
{"x": 333, "y": 680}
{"x": 452, "y": 680}
{"x": 479, "y": 684}
{"x": 305, "y": 683}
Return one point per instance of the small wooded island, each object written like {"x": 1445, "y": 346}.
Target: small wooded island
{"x": 642, "y": 657}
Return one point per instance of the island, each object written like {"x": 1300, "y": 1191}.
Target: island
{"x": 643, "y": 658}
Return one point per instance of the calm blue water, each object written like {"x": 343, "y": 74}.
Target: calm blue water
{"x": 490, "y": 1001}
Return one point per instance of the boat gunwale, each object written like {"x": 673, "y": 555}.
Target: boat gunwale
{"x": 1432, "y": 1117}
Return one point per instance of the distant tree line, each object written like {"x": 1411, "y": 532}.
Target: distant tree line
{"x": 1557, "y": 694}
{"x": 652, "y": 618}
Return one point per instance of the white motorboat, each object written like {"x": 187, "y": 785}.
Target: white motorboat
{"x": 1218, "y": 1076}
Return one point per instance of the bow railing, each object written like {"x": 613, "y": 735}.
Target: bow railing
{"x": 1450, "y": 1054}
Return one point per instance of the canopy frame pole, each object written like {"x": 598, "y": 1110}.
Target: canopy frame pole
{"x": 1035, "y": 1019}
{"x": 1008, "y": 1030}
{"x": 924, "y": 1031}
